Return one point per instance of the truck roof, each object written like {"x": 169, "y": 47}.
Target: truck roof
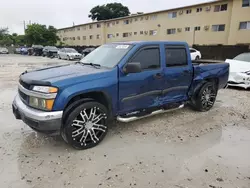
{"x": 150, "y": 42}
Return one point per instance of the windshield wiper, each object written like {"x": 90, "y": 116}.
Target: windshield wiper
{"x": 91, "y": 64}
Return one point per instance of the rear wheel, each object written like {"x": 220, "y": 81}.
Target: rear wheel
{"x": 86, "y": 125}
{"x": 68, "y": 58}
{"x": 205, "y": 98}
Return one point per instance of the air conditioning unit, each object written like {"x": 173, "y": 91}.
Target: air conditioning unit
{"x": 180, "y": 12}
{"x": 206, "y": 27}
{"x": 179, "y": 30}
{"x": 208, "y": 8}
{"x": 145, "y": 32}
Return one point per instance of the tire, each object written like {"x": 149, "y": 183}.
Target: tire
{"x": 204, "y": 100}
{"x": 85, "y": 125}
{"x": 59, "y": 57}
{"x": 68, "y": 58}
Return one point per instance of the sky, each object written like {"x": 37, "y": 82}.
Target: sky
{"x": 62, "y": 13}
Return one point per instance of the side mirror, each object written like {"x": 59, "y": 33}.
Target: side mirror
{"x": 132, "y": 67}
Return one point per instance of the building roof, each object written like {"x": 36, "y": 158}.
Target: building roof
{"x": 138, "y": 15}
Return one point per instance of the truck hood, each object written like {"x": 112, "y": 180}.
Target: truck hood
{"x": 53, "y": 75}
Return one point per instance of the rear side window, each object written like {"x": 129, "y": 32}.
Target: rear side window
{"x": 192, "y": 50}
{"x": 176, "y": 57}
{"x": 148, "y": 57}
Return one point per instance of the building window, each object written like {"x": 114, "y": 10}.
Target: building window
{"x": 135, "y": 33}
{"x": 187, "y": 28}
{"x": 84, "y": 28}
{"x": 113, "y": 23}
{"x": 219, "y": 8}
{"x": 199, "y": 9}
{"x": 73, "y": 38}
{"x": 197, "y": 28}
{"x": 141, "y": 18}
{"x": 109, "y": 36}
{"x": 90, "y": 26}
{"x": 78, "y": 29}
{"x": 154, "y": 17}
{"x": 171, "y": 31}
{"x": 98, "y": 36}
{"x": 245, "y": 3}
{"x": 136, "y": 19}
{"x": 98, "y": 25}
{"x": 126, "y": 22}
{"x": 84, "y": 38}
{"x": 172, "y": 14}
{"x": 90, "y": 37}
{"x": 117, "y": 22}
{"x": 141, "y": 32}
{"x": 125, "y": 34}
{"x": 108, "y": 24}
{"x": 152, "y": 32}
{"x": 78, "y": 38}
{"x": 218, "y": 27}
{"x": 117, "y": 34}
{"x": 189, "y": 11}
{"x": 244, "y": 25}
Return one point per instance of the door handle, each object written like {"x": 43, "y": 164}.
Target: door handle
{"x": 158, "y": 76}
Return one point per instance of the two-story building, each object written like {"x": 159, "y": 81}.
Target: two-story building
{"x": 217, "y": 22}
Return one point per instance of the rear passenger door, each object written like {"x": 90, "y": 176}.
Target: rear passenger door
{"x": 178, "y": 73}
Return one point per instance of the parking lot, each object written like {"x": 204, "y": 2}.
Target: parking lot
{"x": 178, "y": 149}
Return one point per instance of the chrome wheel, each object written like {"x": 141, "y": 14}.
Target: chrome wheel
{"x": 89, "y": 127}
{"x": 208, "y": 97}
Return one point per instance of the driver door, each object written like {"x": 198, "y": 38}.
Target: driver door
{"x": 141, "y": 90}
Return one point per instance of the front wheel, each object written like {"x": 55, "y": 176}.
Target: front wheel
{"x": 86, "y": 125}
{"x": 205, "y": 98}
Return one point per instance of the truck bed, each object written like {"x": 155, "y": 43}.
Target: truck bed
{"x": 206, "y": 61}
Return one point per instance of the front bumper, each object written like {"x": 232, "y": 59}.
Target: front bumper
{"x": 37, "y": 119}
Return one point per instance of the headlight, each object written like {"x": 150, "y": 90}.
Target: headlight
{"x": 43, "y": 104}
{"x": 45, "y": 89}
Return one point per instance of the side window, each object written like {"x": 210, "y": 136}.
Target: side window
{"x": 176, "y": 57}
{"x": 192, "y": 50}
{"x": 148, "y": 57}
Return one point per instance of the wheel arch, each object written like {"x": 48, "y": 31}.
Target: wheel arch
{"x": 98, "y": 96}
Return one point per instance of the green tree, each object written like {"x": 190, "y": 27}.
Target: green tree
{"x": 40, "y": 34}
{"x": 108, "y": 11}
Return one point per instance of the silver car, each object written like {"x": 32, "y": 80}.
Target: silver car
{"x": 4, "y": 51}
{"x": 69, "y": 54}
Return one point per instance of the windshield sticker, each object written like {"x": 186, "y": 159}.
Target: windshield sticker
{"x": 122, "y": 47}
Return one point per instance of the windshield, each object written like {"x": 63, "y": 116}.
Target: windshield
{"x": 70, "y": 50}
{"x": 243, "y": 57}
{"x": 107, "y": 55}
{"x": 52, "y": 48}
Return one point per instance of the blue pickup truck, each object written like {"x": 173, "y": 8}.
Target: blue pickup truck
{"x": 125, "y": 81}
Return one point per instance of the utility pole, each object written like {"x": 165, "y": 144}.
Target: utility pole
{"x": 24, "y": 26}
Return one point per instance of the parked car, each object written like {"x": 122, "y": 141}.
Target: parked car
{"x": 17, "y": 51}
{"x": 69, "y": 54}
{"x": 195, "y": 54}
{"x": 37, "y": 50}
{"x": 50, "y": 51}
{"x": 4, "y": 50}
{"x": 239, "y": 75}
{"x": 24, "y": 51}
{"x": 126, "y": 81}
{"x": 87, "y": 51}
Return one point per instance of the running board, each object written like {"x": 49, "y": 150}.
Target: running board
{"x": 127, "y": 120}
